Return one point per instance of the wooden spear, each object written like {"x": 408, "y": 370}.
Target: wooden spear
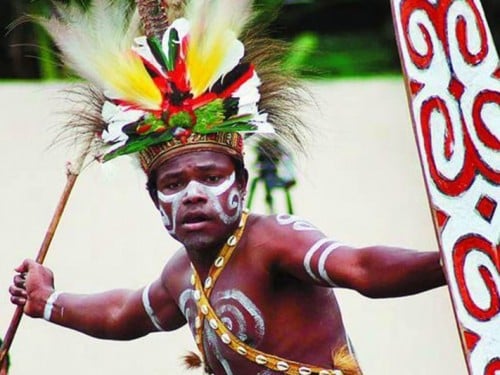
{"x": 72, "y": 173}
{"x": 153, "y": 14}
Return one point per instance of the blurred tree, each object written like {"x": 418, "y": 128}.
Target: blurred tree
{"x": 27, "y": 51}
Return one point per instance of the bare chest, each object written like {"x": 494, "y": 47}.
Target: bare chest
{"x": 262, "y": 316}
{"x": 239, "y": 313}
{"x": 235, "y": 305}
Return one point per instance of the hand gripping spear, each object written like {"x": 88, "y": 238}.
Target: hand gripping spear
{"x": 72, "y": 172}
{"x": 154, "y": 15}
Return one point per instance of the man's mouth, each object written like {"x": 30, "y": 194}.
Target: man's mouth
{"x": 194, "y": 221}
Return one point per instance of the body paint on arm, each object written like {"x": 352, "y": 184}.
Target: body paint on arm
{"x": 316, "y": 258}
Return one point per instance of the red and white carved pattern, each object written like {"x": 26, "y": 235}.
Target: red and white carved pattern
{"x": 453, "y": 79}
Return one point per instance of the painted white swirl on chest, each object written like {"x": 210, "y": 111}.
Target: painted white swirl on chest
{"x": 316, "y": 267}
{"x": 215, "y": 349}
{"x": 238, "y": 311}
{"x": 187, "y": 305}
{"x": 298, "y": 224}
{"x": 241, "y": 316}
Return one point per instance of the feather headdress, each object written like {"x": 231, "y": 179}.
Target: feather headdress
{"x": 96, "y": 44}
{"x": 197, "y": 78}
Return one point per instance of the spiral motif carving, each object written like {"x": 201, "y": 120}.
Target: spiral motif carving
{"x": 453, "y": 78}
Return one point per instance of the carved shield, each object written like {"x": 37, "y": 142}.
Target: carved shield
{"x": 452, "y": 77}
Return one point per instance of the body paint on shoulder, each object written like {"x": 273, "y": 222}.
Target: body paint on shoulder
{"x": 298, "y": 224}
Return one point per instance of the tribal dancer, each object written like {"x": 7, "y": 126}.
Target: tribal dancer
{"x": 257, "y": 291}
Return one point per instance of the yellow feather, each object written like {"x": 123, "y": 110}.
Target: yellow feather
{"x": 213, "y": 47}
{"x": 203, "y": 64}
{"x": 97, "y": 45}
{"x": 127, "y": 79}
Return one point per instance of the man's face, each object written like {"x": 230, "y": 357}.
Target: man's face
{"x": 199, "y": 198}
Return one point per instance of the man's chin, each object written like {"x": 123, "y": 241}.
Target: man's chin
{"x": 203, "y": 236}
{"x": 199, "y": 241}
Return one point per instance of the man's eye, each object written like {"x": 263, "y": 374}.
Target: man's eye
{"x": 173, "y": 186}
{"x": 212, "y": 179}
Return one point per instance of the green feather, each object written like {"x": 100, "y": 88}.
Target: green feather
{"x": 236, "y": 124}
{"x": 180, "y": 120}
{"x": 173, "y": 48}
{"x": 208, "y": 116}
{"x": 155, "y": 46}
{"x": 139, "y": 144}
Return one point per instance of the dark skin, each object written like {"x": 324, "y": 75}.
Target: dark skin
{"x": 273, "y": 292}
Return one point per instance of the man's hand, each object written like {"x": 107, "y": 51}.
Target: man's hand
{"x": 31, "y": 287}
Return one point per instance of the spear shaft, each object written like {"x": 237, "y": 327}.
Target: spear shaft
{"x": 73, "y": 171}
{"x": 154, "y": 17}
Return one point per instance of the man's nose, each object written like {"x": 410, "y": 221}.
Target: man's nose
{"x": 195, "y": 193}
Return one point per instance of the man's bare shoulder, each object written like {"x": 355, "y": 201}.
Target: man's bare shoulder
{"x": 282, "y": 232}
{"x": 282, "y": 224}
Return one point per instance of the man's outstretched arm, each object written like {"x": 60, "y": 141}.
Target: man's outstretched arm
{"x": 383, "y": 271}
{"x": 374, "y": 271}
{"x": 117, "y": 314}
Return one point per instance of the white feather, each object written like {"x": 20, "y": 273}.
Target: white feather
{"x": 97, "y": 43}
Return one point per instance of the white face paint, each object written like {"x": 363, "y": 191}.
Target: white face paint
{"x": 317, "y": 270}
{"x": 234, "y": 201}
{"x": 192, "y": 187}
{"x": 164, "y": 218}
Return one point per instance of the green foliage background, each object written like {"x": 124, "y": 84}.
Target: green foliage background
{"x": 329, "y": 38}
